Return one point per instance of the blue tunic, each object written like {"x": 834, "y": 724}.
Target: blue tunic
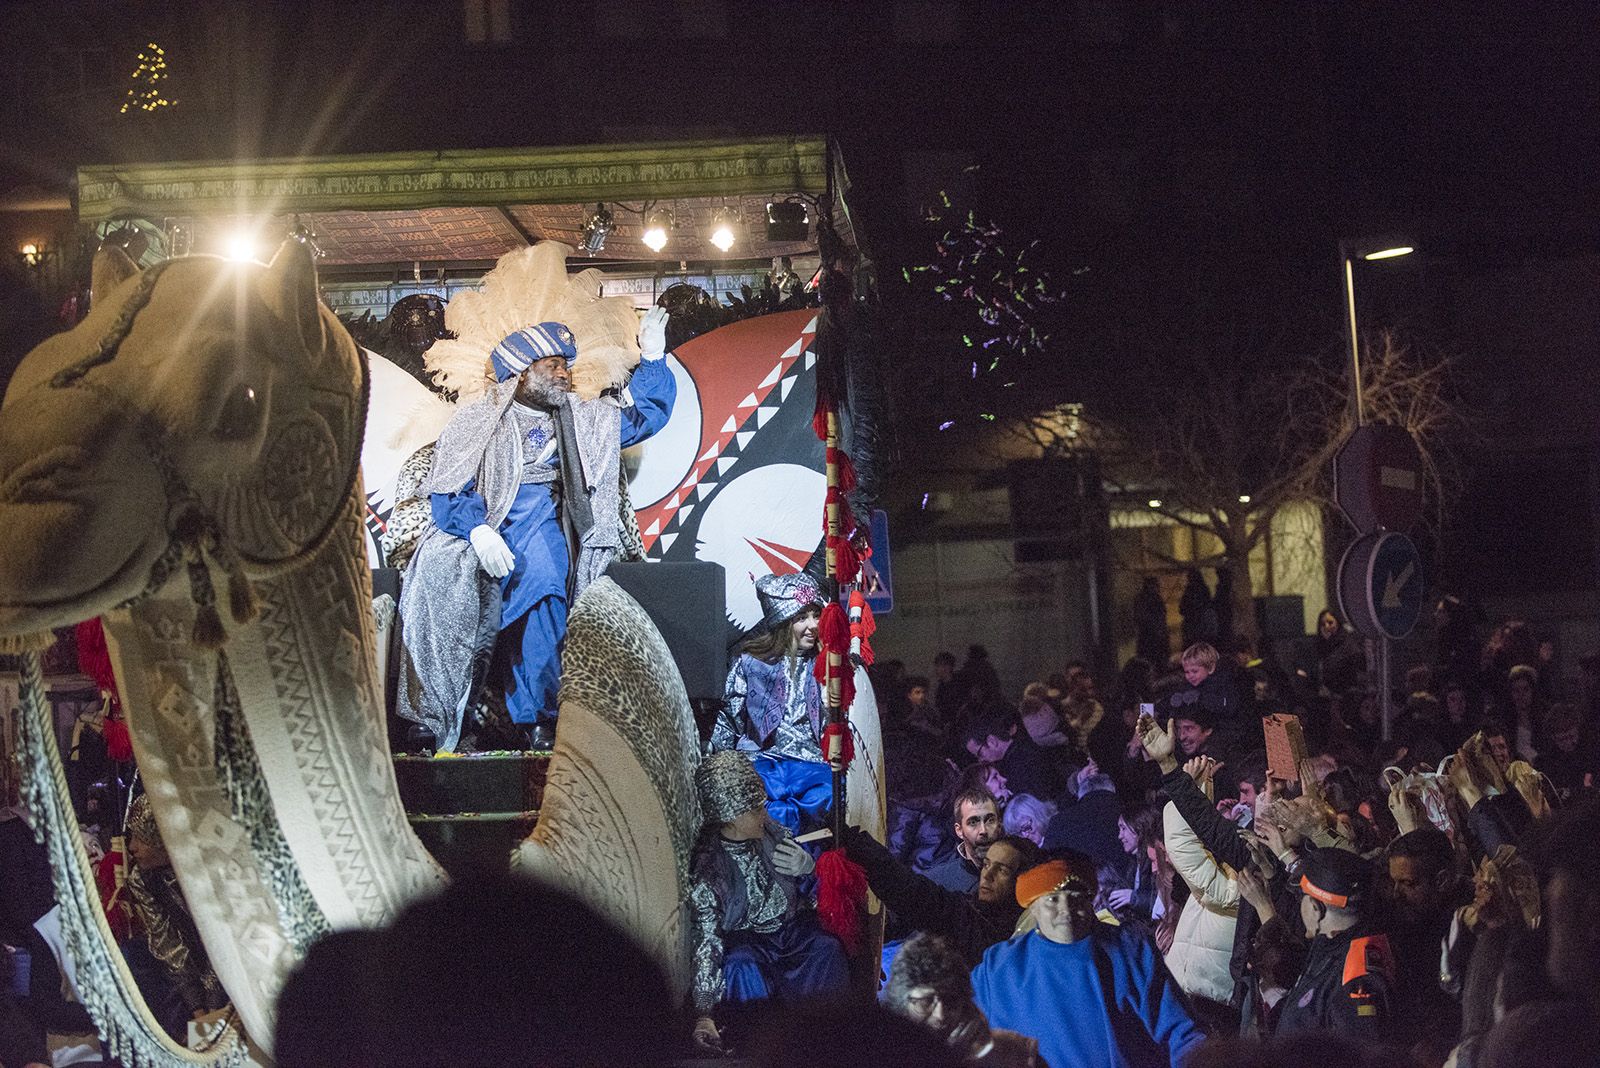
{"x": 1105, "y": 1001}
{"x": 537, "y": 584}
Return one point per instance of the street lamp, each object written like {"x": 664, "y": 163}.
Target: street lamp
{"x": 1381, "y": 248}
{"x": 1384, "y": 248}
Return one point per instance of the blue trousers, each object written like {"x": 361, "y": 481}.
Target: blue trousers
{"x": 528, "y": 660}
{"x": 799, "y": 792}
{"x": 798, "y": 960}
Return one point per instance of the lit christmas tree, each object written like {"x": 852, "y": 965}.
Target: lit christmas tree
{"x": 147, "y": 94}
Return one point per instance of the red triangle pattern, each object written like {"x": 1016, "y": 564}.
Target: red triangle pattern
{"x": 714, "y": 441}
{"x": 780, "y": 559}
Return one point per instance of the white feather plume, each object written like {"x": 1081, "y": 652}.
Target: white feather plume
{"x": 527, "y": 286}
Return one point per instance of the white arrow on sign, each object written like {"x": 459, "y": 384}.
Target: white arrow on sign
{"x": 1395, "y": 583}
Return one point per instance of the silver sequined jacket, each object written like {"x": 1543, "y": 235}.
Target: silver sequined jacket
{"x": 733, "y": 887}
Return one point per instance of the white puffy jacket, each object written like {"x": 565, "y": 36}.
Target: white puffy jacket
{"x": 1203, "y": 942}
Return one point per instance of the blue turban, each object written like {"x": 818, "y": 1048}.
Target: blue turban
{"x": 514, "y": 354}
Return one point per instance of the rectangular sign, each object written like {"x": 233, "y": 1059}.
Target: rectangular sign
{"x": 880, "y": 591}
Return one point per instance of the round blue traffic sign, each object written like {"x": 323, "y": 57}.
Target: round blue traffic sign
{"x": 1381, "y": 586}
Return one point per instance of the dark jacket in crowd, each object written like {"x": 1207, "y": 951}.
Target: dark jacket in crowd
{"x": 1347, "y": 987}
{"x": 923, "y": 905}
{"x": 1496, "y": 821}
{"x": 953, "y": 872}
{"x": 1030, "y": 768}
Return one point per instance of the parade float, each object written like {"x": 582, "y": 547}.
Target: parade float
{"x": 210, "y": 464}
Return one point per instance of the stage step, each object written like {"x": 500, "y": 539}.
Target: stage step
{"x": 471, "y": 811}
{"x": 473, "y": 842}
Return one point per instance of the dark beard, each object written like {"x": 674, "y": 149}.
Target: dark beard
{"x": 538, "y": 392}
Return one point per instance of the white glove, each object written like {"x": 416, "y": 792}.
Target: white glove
{"x": 653, "y": 334}
{"x": 494, "y": 555}
{"x": 791, "y": 860}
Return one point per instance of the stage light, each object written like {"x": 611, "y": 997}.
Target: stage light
{"x": 240, "y": 246}
{"x": 1244, "y": 498}
{"x": 1154, "y": 503}
{"x": 1388, "y": 253}
{"x": 596, "y": 228}
{"x": 723, "y": 221}
{"x": 657, "y": 222}
{"x": 30, "y": 254}
{"x": 788, "y": 220}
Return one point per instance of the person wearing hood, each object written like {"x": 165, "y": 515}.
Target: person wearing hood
{"x": 754, "y": 934}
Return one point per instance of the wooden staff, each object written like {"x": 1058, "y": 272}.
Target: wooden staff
{"x": 836, "y": 663}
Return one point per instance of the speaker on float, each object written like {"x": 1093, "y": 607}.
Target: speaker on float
{"x": 687, "y": 601}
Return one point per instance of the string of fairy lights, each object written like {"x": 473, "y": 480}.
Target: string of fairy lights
{"x": 147, "y": 94}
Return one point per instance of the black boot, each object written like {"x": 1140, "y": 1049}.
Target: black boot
{"x": 542, "y": 735}
{"x": 420, "y": 741}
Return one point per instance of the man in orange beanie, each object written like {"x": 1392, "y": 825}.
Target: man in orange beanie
{"x": 1092, "y": 994}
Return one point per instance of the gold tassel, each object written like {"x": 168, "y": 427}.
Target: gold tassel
{"x": 26, "y": 642}
{"x": 242, "y": 602}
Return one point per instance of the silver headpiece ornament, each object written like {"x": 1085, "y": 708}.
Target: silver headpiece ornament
{"x": 783, "y": 597}
{"x": 728, "y": 786}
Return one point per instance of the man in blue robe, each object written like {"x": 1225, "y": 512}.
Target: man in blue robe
{"x": 526, "y": 504}
{"x": 1095, "y": 996}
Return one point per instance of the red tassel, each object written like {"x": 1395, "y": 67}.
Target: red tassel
{"x": 846, "y": 565}
{"x": 847, "y": 678}
{"x": 95, "y": 659}
{"x": 841, "y": 893}
{"x": 119, "y": 743}
{"x": 847, "y": 472}
{"x": 819, "y": 419}
{"x": 866, "y": 626}
{"x": 833, "y": 629}
{"x": 847, "y": 744}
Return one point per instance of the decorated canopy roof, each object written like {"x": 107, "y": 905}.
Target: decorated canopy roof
{"x": 454, "y": 206}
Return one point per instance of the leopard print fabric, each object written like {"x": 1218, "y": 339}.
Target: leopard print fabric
{"x": 412, "y": 512}
{"x": 616, "y": 664}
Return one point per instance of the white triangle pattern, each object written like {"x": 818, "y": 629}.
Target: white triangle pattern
{"x": 683, "y": 501}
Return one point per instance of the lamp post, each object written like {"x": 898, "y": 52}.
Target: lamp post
{"x": 1387, "y": 248}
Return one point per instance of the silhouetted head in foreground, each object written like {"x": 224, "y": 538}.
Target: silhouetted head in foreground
{"x": 495, "y": 970}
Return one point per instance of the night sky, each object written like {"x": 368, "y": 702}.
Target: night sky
{"x": 1174, "y": 160}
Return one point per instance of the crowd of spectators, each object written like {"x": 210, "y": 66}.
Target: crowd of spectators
{"x": 1423, "y": 898}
